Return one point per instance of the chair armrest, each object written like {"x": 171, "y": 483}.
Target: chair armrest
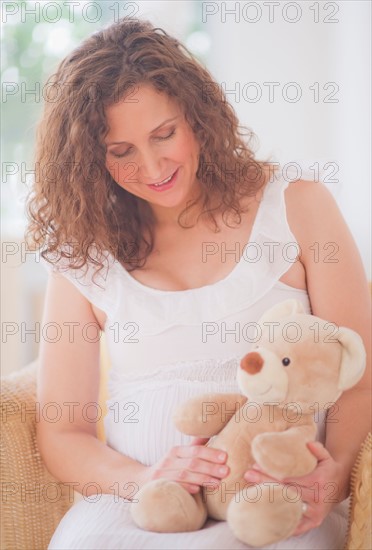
{"x": 33, "y": 501}
{"x": 360, "y": 532}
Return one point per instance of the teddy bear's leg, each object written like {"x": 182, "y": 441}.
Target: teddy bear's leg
{"x": 166, "y": 507}
{"x": 265, "y": 513}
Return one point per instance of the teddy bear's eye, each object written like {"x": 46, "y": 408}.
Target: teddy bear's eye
{"x": 286, "y": 361}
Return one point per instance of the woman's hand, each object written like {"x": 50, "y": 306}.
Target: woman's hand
{"x": 320, "y": 491}
{"x": 191, "y": 465}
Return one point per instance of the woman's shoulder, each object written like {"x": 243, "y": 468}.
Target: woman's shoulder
{"x": 96, "y": 280}
{"x": 328, "y": 248}
{"x": 312, "y": 210}
{"x": 308, "y": 190}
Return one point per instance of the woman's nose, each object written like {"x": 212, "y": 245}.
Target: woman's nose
{"x": 150, "y": 167}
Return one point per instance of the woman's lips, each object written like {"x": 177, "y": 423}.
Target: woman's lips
{"x": 165, "y": 186}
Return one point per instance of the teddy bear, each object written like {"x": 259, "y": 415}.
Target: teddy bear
{"x": 299, "y": 365}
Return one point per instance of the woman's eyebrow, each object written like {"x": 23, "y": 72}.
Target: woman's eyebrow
{"x": 152, "y": 131}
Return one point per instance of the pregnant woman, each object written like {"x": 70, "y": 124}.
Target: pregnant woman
{"x": 156, "y": 220}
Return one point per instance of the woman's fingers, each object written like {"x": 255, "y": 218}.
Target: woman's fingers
{"x": 206, "y": 453}
{"x": 192, "y": 465}
{"x": 308, "y": 494}
{"x": 319, "y": 490}
{"x": 199, "y": 466}
{"x": 193, "y": 471}
{"x": 187, "y": 476}
{"x": 318, "y": 450}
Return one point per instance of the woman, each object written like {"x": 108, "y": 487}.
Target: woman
{"x": 145, "y": 188}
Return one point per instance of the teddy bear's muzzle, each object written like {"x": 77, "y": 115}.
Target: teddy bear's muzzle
{"x": 261, "y": 375}
{"x": 252, "y": 363}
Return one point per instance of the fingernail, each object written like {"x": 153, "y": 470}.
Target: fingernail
{"x": 223, "y": 470}
{"x": 222, "y": 456}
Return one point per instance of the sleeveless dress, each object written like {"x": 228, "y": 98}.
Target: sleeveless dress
{"x": 168, "y": 346}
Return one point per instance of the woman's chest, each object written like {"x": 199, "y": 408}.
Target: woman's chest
{"x": 193, "y": 258}
{"x": 197, "y": 258}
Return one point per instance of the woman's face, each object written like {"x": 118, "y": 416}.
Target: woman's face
{"x": 149, "y": 141}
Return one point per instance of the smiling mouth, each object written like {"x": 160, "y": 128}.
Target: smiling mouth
{"x": 163, "y": 181}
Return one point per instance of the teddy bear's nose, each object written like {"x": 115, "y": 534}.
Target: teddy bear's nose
{"x": 252, "y": 362}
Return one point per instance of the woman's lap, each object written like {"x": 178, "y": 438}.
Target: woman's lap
{"x": 107, "y": 524}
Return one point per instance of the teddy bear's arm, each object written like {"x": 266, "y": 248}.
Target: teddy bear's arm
{"x": 285, "y": 454}
{"x": 206, "y": 415}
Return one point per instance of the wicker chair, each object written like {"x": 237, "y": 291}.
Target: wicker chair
{"x": 33, "y": 501}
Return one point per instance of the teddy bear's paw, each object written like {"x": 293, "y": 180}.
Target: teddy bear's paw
{"x": 272, "y": 454}
{"x": 166, "y": 507}
{"x": 280, "y": 458}
{"x": 264, "y": 514}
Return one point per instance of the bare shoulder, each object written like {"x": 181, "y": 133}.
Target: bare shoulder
{"x": 311, "y": 209}
{"x": 326, "y": 242}
{"x": 303, "y": 191}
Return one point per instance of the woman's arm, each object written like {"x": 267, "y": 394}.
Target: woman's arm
{"x": 69, "y": 377}
{"x": 338, "y": 291}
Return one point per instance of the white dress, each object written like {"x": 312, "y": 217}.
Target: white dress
{"x": 167, "y": 346}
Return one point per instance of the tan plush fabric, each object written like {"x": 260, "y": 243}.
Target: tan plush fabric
{"x": 33, "y": 501}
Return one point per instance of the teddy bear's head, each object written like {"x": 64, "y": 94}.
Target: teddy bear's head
{"x": 301, "y": 359}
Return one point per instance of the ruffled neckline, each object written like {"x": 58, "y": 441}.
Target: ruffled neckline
{"x": 146, "y": 288}
{"x": 156, "y": 310}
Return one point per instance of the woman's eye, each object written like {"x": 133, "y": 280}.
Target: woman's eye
{"x": 161, "y": 138}
{"x": 120, "y": 155}
{"x": 168, "y": 136}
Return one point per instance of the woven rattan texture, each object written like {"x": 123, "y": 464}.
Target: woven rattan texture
{"x": 32, "y": 501}
{"x": 360, "y": 528}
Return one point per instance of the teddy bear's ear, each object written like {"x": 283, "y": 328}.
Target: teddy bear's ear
{"x": 353, "y": 361}
{"x": 283, "y": 309}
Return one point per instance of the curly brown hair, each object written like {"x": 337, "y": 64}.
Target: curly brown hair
{"x": 74, "y": 199}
